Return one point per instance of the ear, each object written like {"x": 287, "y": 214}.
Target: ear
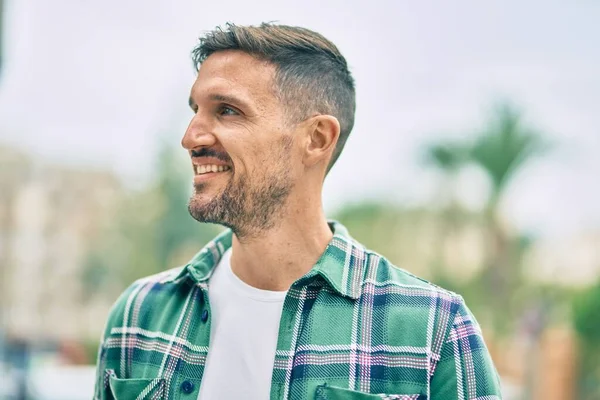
{"x": 322, "y": 136}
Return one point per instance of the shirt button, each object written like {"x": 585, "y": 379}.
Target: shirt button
{"x": 187, "y": 387}
{"x": 204, "y": 316}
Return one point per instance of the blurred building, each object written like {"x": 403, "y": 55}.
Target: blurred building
{"x": 574, "y": 261}
{"x": 49, "y": 217}
{"x": 422, "y": 240}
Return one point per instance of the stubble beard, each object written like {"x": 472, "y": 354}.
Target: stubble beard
{"x": 246, "y": 208}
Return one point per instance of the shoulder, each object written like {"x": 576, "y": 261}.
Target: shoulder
{"x": 415, "y": 310}
{"x": 145, "y": 291}
{"x": 434, "y": 314}
{"x": 382, "y": 273}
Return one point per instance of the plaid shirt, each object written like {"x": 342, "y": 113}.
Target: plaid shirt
{"x": 353, "y": 327}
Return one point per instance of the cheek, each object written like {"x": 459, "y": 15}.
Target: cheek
{"x": 260, "y": 157}
{"x": 284, "y": 154}
{"x": 292, "y": 154}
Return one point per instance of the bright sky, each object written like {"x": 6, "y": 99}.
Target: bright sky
{"x": 93, "y": 83}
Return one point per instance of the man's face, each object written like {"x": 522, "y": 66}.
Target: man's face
{"x": 242, "y": 149}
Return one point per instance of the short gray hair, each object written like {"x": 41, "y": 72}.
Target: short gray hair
{"x": 312, "y": 76}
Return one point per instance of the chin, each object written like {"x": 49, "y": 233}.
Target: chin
{"x": 200, "y": 201}
{"x": 202, "y": 207}
{"x": 197, "y": 210}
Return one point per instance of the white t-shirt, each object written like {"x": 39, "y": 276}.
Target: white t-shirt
{"x": 243, "y": 337}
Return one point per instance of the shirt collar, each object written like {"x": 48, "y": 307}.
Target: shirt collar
{"x": 342, "y": 265}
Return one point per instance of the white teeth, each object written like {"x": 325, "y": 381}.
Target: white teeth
{"x": 203, "y": 169}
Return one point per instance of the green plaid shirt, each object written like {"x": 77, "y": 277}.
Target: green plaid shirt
{"x": 353, "y": 327}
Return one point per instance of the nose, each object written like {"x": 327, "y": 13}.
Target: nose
{"x": 198, "y": 134}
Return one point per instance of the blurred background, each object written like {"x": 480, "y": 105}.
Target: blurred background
{"x": 474, "y": 163}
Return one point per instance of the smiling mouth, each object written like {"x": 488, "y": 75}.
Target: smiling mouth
{"x": 210, "y": 168}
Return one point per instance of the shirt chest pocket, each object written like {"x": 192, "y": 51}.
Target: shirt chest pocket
{"x": 326, "y": 392}
{"x": 133, "y": 389}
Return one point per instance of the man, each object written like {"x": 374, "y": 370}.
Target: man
{"x": 283, "y": 304}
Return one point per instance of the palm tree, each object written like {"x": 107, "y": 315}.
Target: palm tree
{"x": 503, "y": 148}
{"x": 501, "y": 151}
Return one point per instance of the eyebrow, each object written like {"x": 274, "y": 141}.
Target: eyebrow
{"x": 222, "y": 98}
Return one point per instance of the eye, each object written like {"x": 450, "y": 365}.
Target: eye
{"x": 226, "y": 110}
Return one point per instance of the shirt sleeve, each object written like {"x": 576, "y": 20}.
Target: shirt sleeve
{"x": 465, "y": 369}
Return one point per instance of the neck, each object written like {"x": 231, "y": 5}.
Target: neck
{"x": 279, "y": 256}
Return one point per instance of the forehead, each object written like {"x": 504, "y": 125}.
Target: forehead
{"x": 237, "y": 73}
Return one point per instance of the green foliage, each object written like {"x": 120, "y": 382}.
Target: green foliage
{"x": 505, "y": 146}
{"x": 447, "y": 156}
{"x": 361, "y": 219}
{"x": 586, "y": 315}
{"x": 586, "y": 320}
